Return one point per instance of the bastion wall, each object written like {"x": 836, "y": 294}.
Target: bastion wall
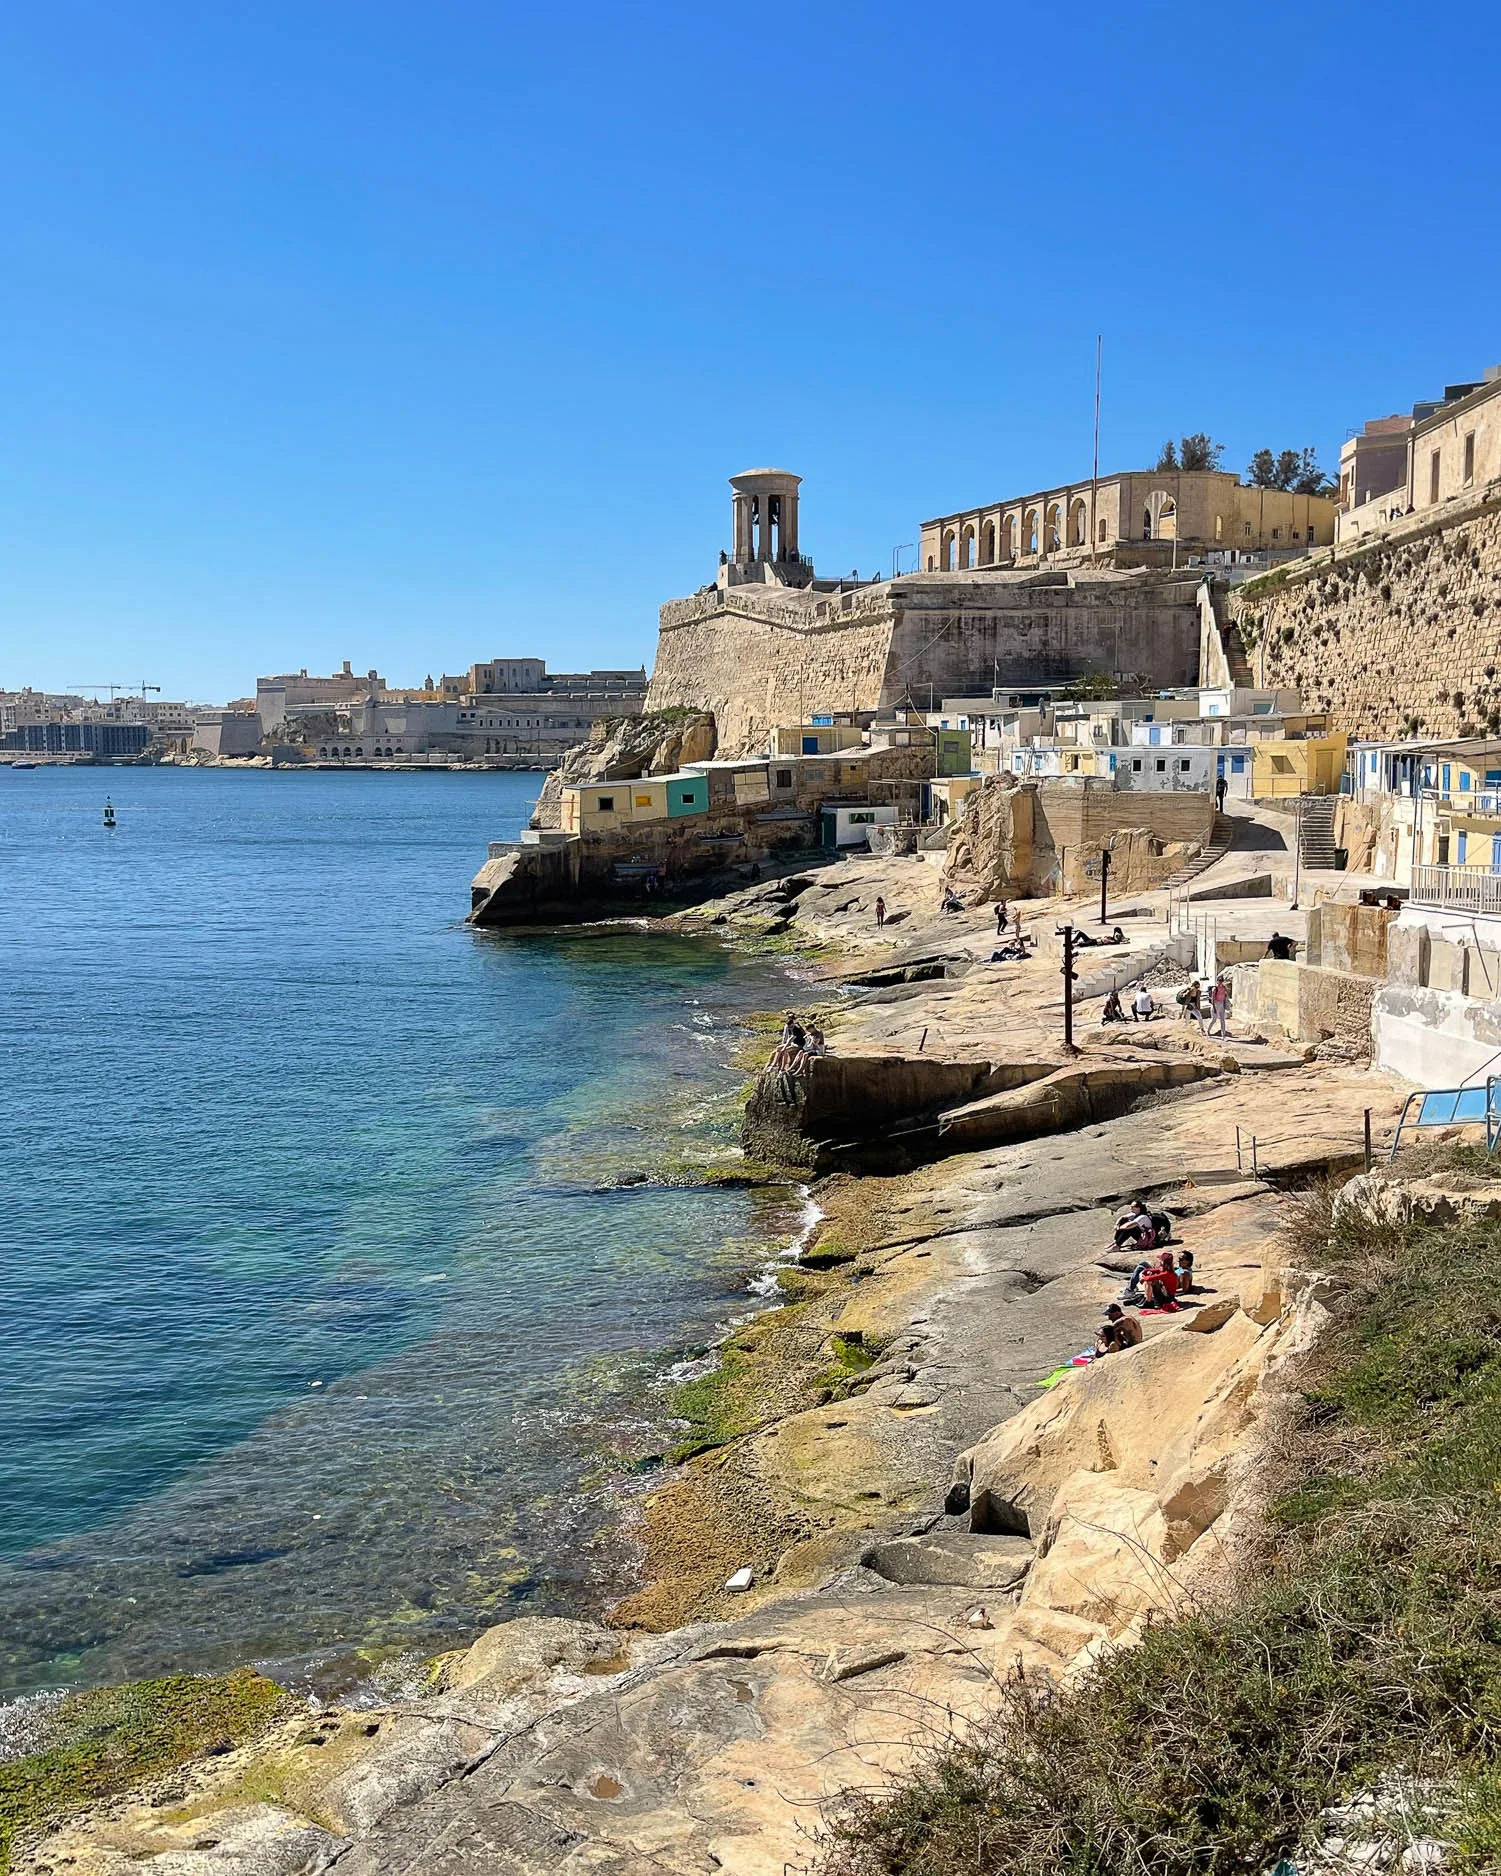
{"x": 1398, "y": 637}
{"x": 757, "y": 658}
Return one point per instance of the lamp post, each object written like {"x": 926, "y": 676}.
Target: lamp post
{"x": 1068, "y": 988}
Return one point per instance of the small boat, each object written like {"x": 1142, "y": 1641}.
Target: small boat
{"x": 23, "y": 765}
{"x": 109, "y": 812}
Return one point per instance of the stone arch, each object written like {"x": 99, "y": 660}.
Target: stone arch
{"x": 1011, "y": 530}
{"x": 1054, "y": 532}
{"x": 1100, "y": 531}
{"x": 946, "y": 551}
{"x": 1219, "y": 527}
{"x": 1146, "y": 524}
{"x": 987, "y": 544}
{"x": 1078, "y": 524}
{"x": 932, "y": 563}
{"x": 967, "y": 545}
{"x": 1167, "y": 518}
{"x": 1031, "y": 531}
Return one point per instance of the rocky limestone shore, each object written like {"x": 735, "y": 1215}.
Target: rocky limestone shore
{"x": 919, "y": 1513}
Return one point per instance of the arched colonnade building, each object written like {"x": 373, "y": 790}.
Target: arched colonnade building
{"x": 1125, "y": 518}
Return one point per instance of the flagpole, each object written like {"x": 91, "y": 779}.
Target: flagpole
{"x": 1094, "y": 480}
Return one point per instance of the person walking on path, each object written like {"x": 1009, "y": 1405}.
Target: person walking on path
{"x": 1219, "y": 1003}
{"x": 880, "y": 911}
{"x": 1220, "y": 785}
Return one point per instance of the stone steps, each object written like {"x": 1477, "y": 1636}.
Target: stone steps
{"x": 1221, "y": 840}
{"x": 1316, "y": 831}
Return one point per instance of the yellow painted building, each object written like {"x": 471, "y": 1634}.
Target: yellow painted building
{"x": 815, "y": 739}
{"x": 592, "y": 807}
{"x": 1285, "y": 766}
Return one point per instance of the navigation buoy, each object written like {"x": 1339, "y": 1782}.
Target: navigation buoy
{"x": 109, "y": 812}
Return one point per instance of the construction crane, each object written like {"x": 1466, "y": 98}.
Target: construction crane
{"x": 113, "y": 688}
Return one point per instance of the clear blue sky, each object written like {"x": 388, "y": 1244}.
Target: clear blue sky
{"x": 416, "y": 334}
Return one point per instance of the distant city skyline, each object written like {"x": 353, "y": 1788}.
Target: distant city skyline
{"x": 421, "y": 337}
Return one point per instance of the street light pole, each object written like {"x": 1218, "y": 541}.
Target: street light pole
{"x": 1068, "y": 988}
{"x": 1297, "y": 850}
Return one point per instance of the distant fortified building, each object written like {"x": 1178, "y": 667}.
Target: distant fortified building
{"x": 769, "y": 643}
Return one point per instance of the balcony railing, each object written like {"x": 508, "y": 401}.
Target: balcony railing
{"x": 1457, "y": 888}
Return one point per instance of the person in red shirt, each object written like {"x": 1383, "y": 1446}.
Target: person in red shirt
{"x": 1161, "y": 1283}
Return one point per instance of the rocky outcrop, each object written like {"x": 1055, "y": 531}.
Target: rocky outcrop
{"x": 802, "y": 1118}
{"x": 621, "y": 748}
{"x": 897, "y": 1110}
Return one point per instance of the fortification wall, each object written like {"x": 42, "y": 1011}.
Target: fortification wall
{"x": 759, "y": 658}
{"x": 1399, "y": 637}
{"x": 956, "y": 638}
{"x": 753, "y": 673}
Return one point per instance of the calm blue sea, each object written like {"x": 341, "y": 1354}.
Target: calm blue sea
{"x": 326, "y": 1324}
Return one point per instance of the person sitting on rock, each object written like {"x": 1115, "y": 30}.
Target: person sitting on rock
{"x": 1143, "y": 1009}
{"x": 951, "y": 901}
{"x": 1160, "y": 1283}
{"x": 793, "y": 1041}
{"x": 816, "y": 1043}
{"x": 1185, "y": 1272}
{"x": 1118, "y": 1331}
{"x": 1136, "y": 1226}
{"x": 1113, "y": 1013}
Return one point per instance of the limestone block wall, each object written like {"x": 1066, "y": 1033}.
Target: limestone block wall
{"x": 757, "y": 658}
{"x": 1401, "y": 637}
{"x": 1350, "y": 937}
{"x": 755, "y": 671}
{"x": 951, "y": 639}
{"x": 1038, "y": 837}
{"x": 1332, "y": 1009}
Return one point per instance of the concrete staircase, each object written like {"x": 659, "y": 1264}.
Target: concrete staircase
{"x": 1316, "y": 831}
{"x": 1221, "y": 839}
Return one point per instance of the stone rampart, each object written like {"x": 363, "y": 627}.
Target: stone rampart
{"x": 754, "y": 671}
{"x": 758, "y": 657}
{"x": 1394, "y": 638}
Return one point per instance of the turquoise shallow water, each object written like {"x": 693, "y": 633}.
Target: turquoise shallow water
{"x": 319, "y": 1332}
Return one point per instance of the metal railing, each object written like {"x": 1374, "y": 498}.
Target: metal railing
{"x": 1460, "y": 888}
{"x": 1478, "y": 801}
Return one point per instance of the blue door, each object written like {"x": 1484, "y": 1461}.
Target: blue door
{"x": 810, "y": 745}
